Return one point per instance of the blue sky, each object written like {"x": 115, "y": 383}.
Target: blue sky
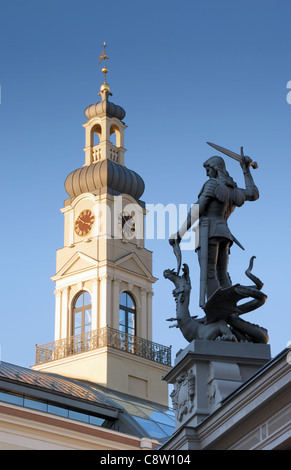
{"x": 186, "y": 72}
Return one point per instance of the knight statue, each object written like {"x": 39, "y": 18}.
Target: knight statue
{"x": 217, "y": 200}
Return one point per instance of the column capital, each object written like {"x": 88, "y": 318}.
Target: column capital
{"x": 146, "y": 291}
{"x": 106, "y": 276}
{"x": 130, "y": 286}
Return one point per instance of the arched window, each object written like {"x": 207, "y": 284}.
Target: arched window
{"x": 127, "y": 314}
{"x": 96, "y": 132}
{"x": 115, "y": 136}
{"x": 82, "y": 313}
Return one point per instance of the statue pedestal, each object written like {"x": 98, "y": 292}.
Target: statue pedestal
{"x": 206, "y": 372}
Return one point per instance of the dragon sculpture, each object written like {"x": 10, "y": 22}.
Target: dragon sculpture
{"x": 222, "y": 320}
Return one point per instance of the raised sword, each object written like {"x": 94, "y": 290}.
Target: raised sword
{"x": 229, "y": 153}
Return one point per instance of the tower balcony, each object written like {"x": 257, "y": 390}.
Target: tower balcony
{"x": 102, "y": 151}
{"x": 102, "y": 338}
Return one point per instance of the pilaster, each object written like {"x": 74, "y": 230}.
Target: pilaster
{"x": 105, "y": 302}
{"x": 149, "y": 316}
{"x": 58, "y": 299}
{"x": 94, "y": 299}
{"x": 115, "y": 299}
{"x": 65, "y": 313}
{"x": 143, "y": 314}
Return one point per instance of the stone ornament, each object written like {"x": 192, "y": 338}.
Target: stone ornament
{"x": 183, "y": 394}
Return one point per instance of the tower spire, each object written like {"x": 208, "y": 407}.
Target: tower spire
{"x": 104, "y": 87}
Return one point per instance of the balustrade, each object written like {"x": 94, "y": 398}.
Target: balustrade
{"x": 104, "y": 337}
{"x": 99, "y": 152}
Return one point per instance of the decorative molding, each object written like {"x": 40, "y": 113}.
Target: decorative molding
{"x": 92, "y": 263}
{"x": 141, "y": 269}
{"x": 183, "y": 394}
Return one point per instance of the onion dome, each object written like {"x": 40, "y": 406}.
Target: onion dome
{"x": 105, "y": 107}
{"x": 105, "y": 173}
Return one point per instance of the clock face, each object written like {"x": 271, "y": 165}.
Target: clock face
{"x": 126, "y": 224}
{"x": 84, "y": 223}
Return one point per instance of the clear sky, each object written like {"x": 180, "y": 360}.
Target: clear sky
{"x": 186, "y": 72}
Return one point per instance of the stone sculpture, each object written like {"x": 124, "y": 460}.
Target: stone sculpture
{"x": 217, "y": 200}
{"x": 183, "y": 394}
{"x": 228, "y": 326}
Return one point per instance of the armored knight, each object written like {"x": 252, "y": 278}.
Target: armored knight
{"x": 216, "y": 202}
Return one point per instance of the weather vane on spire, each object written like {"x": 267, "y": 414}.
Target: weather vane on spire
{"x": 103, "y": 56}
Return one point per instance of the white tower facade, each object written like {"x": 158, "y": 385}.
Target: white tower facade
{"x": 103, "y": 280}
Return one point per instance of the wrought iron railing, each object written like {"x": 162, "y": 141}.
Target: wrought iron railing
{"x": 104, "y": 337}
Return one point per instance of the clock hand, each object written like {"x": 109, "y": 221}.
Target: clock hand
{"x": 83, "y": 221}
{"x": 124, "y": 220}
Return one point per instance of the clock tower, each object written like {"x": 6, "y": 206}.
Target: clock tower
{"x": 103, "y": 280}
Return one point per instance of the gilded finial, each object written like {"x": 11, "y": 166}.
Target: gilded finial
{"x": 103, "y": 56}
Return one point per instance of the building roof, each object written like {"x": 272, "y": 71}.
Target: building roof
{"x": 104, "y": 173}
{"x": 84, "y": 401}
{"x": 105, "y": 107}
